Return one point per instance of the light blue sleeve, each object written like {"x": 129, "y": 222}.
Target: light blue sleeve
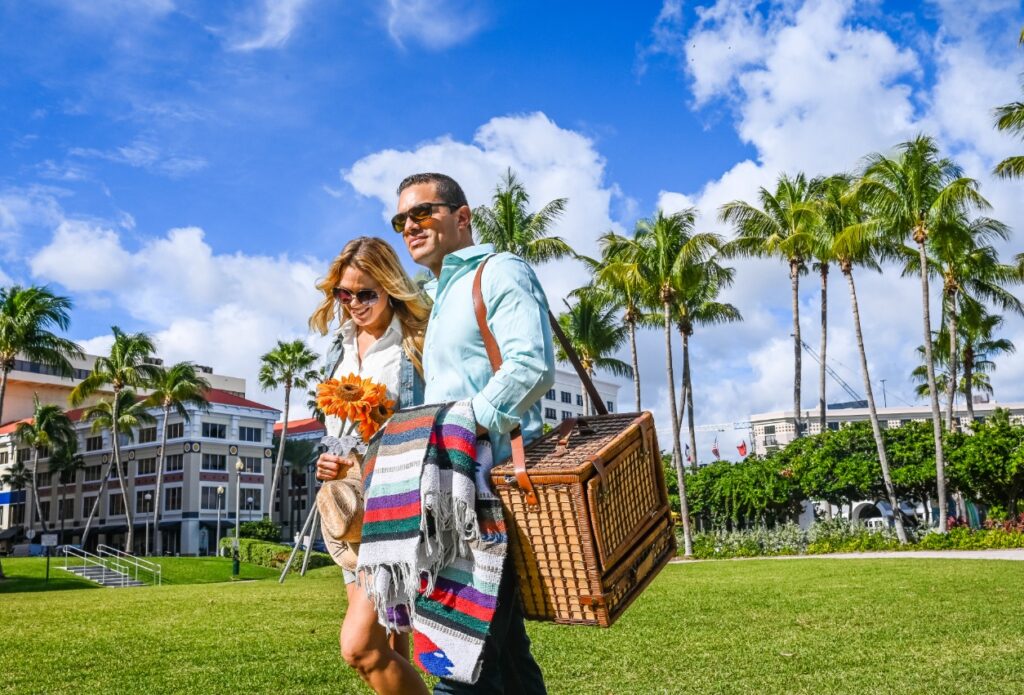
{"x": 517, "y": 314}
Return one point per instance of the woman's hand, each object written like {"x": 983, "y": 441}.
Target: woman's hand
{"x": 331, "y": 467}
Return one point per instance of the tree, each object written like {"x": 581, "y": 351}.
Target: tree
{"x": 48, "y": 429}
{"x": 1010, "y": 118}
{"x": 990, "y": 461}
{"x": 129, "y": 365}
{"x": 65, "y": 462}
{"x": 26, "y": 316}
{"x": 700, "y": 280}
{"x": 783, "y": 227}
{"x": 910, "y": 195}
{"x": 858, "y": 242}
{"x": 119, "y": 414}
{"x": 176, "y": 387}
{"x": 287, "y": 366}
{"x": 17, "y": 477}
{"x": 507, "y": 224}
{"x": 595, "y": 334}
{"x": 979, "y": 346}
{"x": 322, "y": 375}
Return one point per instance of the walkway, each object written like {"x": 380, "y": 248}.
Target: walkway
{"x": 1007, "y": 554}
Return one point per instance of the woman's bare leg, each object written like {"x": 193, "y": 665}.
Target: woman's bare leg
{"x": 380, "y": 661}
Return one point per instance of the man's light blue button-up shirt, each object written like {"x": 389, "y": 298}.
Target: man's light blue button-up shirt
{"x": 455, "y": 362}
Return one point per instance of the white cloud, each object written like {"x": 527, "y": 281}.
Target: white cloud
{"x": 277, "y": 22}
{"x": 117, "y": 9}
{"x": 433, "y": 24}
{"x": 220, "y": 309}
{"x": 552, "y": 162}
{"x": 141, "y": 154}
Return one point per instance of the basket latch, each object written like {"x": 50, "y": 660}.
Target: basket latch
{"x": 565, "y": 431}
{"x": 586, "y": 600}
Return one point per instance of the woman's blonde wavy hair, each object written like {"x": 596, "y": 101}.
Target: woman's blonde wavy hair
{"x": 376, "y": 258}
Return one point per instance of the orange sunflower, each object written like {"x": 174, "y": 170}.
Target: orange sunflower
{"x": 349, "y": 398}
{"x": 376, "y": 417}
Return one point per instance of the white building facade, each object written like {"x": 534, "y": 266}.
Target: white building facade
{"x": 565, "y": 399}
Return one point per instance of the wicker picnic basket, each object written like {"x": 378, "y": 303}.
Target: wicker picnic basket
{"x": 586, "y": 506}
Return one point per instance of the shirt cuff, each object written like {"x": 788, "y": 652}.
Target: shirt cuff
{"x": 490, "y": 418}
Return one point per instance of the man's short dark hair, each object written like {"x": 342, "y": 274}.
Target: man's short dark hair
{"x": 448, "y": 189}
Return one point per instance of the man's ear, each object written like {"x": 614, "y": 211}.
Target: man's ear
{"x": 464, "y": 215}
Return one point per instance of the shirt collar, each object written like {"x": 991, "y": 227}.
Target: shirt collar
{"x": 348, "y": 329}
{"x": 469, "y": 253}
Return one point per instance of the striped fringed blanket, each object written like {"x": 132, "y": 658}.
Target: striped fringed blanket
{"x": 434, "y": 536}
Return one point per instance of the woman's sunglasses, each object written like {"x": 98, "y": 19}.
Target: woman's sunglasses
{"x": 364, "y": 297}
{"x": 419, "y": 214}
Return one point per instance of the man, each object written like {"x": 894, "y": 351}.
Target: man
{"x": 435, "y": 220}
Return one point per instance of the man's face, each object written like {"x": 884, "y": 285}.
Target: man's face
{"x": 446, "y": 230}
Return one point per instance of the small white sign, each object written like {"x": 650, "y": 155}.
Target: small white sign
{"x": 49, "y": 540}
{"x": 30, "y": 534}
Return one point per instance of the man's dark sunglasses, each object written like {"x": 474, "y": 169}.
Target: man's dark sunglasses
{"x": 419, "y": 214}
{"x": 364, "y": 297}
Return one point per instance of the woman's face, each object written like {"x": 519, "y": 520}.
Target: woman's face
{"x": 360, "y": 288}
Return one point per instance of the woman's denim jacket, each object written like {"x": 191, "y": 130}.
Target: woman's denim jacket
{"x": 410, "y": 383}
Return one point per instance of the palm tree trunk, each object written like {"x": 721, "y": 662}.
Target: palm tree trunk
{"x": 876, "y": 430}
{"x": 684, "y": 507}
{"x": 822, "y": 426}
{"x": 35, "y": 488}
{"x": 96, "y": 504}
{"x": 116, "y": 449}
{"x": 969, "y": 380}
{"x": 951, "y": 386}
{"x": 157, "y": 540}
{"x": 688, "y": 398}
{"x": 940, "y": 459}
{"x": 63, "y": 498}
{"x": 635, "y": 363}
{"x": 794, "y": 278}
{"x": 3, "y": 392}
{"x": 585, "y": 398}
{"x": 280, "y": 450}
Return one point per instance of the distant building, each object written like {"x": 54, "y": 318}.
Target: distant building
{"x": 772, "y": 431}
{"x": 298, "y": 479}
{"x": 565, "y": 399}
{"x": 201, "y": 457}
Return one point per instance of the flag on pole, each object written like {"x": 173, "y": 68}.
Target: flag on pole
{"x": 742, "y": 448}
{"x": 714, "y": 449}
{"x": 689, "y": 457}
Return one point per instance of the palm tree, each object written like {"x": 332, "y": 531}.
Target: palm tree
{"x": 783, "y": 227}
{"x": 118, "y": 414}
{"x": 1010, "y": 117}
{"x": 322, "y": 375}
{"x": 65, "y": 462}
{"x": 595, "y": 334}
{"x": 128, "y": 366}
{"x": 507, "y": 224}
{"x": 700, "y": 280}
{"x": 620, "y": 278}
{"x": 822, "y": 248}
{"x": 288, "y": 365}
{"x": 48, "y": 429}
{"x": 856, "y": 242}
{"x": 174, "y": 388}
{"x": 911, "y": 195}
{"x": 16, "y": 478}
{"x": 26, "y": 316}
{"x": 661, "y": 246}
{"x": 979, "y": 346}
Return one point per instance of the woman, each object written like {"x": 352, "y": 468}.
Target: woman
{"x": 383, "y": 317}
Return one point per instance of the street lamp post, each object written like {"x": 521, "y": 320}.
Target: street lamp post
{"x": 220, "y": 499}
{"x": 149, "y": 507}
{"x": 248, "y": 503}
{"x": 239, "y": 467}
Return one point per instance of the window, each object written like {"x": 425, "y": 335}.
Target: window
{"x": 611, "y": 406}
{"x": 5, "y": 457}
{"x": 46, "y": 509}
{"x": 94, "y": 443}
{"x": 147, "y": 435}
{"x": 172, "y": 499}
{"x": 87, "y": 504}
{"x": 769, "y": 429}
{"x": 174, "y": 462}
{"x": 93, "y": 473}
{"x": 250, "y": 434}
{"x": 252, "y": 499}
{"x": 1, "y": 516}
{"x": 834, "y": 426}
{"x": 18, "y": 513}
{"x": 124, "y": 470}
{"x": 579, "y": 399}
{"x": 66, "y": 509}
{"x": 147, "y": 466}
{"x": 215, "y": 462}
{"x": 208, "y": 498}
{"x": 550, "y": 395}
{"x": 252, "y": 464}
{"x": 176, "y": 430}
{"x": 115, "y": 504}
{"x": 550, "y": 414}
{"x": 141, "y": 505}
{"x": 215, "y": 430}
{"x": 24, "y": 455}
{"x": 566, "y": 397}
{"x": 566, "y": 415}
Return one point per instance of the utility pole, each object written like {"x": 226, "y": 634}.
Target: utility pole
{"x": 885, "y": 401}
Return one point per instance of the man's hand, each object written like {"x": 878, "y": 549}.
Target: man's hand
{"x": 331, "y": 467}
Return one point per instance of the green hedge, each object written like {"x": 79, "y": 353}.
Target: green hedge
{"x": 273, "y": 555}
{"x": 840, "y": 536}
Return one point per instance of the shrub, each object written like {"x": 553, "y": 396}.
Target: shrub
{"x": 273, "y": 555}
{"x": 264, "y": 530}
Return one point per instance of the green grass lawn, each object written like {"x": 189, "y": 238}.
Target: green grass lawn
{"x": 808, "y": 626}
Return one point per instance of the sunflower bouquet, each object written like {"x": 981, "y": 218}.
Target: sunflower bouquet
{"x": 363, "y": 407}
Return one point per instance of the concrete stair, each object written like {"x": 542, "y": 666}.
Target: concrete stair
{"x": 109, "y": 578}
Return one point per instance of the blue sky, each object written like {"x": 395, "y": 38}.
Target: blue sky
{"x": 188, "y": 168}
